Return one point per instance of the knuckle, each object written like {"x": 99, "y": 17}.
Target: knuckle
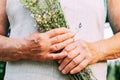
{"x": 75, "y": 62}
{"x": 55, "y": 31}
{"x": 51, "y": 49}
{"x": 70, "y": 35}
{"x": 67, "y": 49}
{"x": 68, "y": 68}
{"x": 51, "y": 32}
{"x": 69, "y": 41}
{"x": 69, "y": 57}
{"x": 72, "y": 40}
{"x": 54, "y": 48}
{"x": 57, "y": 38}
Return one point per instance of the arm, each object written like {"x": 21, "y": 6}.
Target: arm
{"x": 3, "y": 18}
{"x": 82, "y": 53}
{"x": 111, "y": 45}
{"x": 114, "y": 14}
{"x": 114, "y": 19}
{"x": 35, "y": 46}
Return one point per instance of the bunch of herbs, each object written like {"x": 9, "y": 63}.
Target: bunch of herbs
{"x": 49, "y": 15}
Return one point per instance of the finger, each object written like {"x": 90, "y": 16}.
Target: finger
{"x": 70, "y": 47}
{"x": 70, "y": 56}
{"x": 61, "y": 45}
{"x": 61, "y": 38}
{"x": 80, "y": 67}
{"x": 57, "y": 31}
{"x": 76, "y": 61}
{"x": 67, "y": 49}
{"x": 56, "y": 56}
{"x": 59, "y": 61}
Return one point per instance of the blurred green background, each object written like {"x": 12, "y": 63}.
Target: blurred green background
{"x": 113, "y": 70}
{"x": 2, "y": 70}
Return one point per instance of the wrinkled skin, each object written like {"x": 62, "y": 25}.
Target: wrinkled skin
{"x": 37, "y": 46}
{"x": 73, "y": 58}
{"x": 41, "y": 46}
{"x": 82, "y": 53}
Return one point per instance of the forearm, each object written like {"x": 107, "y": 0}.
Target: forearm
{"x": 109, "y": 48}
{"x": 114, "y": 14}
{"x": 10, "y": 49}
{"x": 3, "y": 18}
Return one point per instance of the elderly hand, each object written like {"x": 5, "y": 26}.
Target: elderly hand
{"x": 80, "y": 54}
{"x": 39, "y": 46}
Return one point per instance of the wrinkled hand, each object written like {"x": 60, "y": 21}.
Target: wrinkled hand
{"x": 80, "y": 54}
{"x": 39, "y": 46}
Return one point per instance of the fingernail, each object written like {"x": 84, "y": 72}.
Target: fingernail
{"x": 64, "y": 72}
{"x": 60, "y": 68}
{"x": 71, "y": 72}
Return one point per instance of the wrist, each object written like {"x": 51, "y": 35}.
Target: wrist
{"x": 17, "y": 49}
{"x": 10, "y": 49}
{"x": 100, "y": 50}
{"x": 24, "y": 48}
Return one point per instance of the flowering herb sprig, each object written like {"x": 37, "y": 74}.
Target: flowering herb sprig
{"x": 49, "y": 15}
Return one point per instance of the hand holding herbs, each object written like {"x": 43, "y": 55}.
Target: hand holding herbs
{"x": 36, "y": 46}
{"x": 80, "y": 54}
{"x": 41, "y": 46}
{"x": 49, "y": 15}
